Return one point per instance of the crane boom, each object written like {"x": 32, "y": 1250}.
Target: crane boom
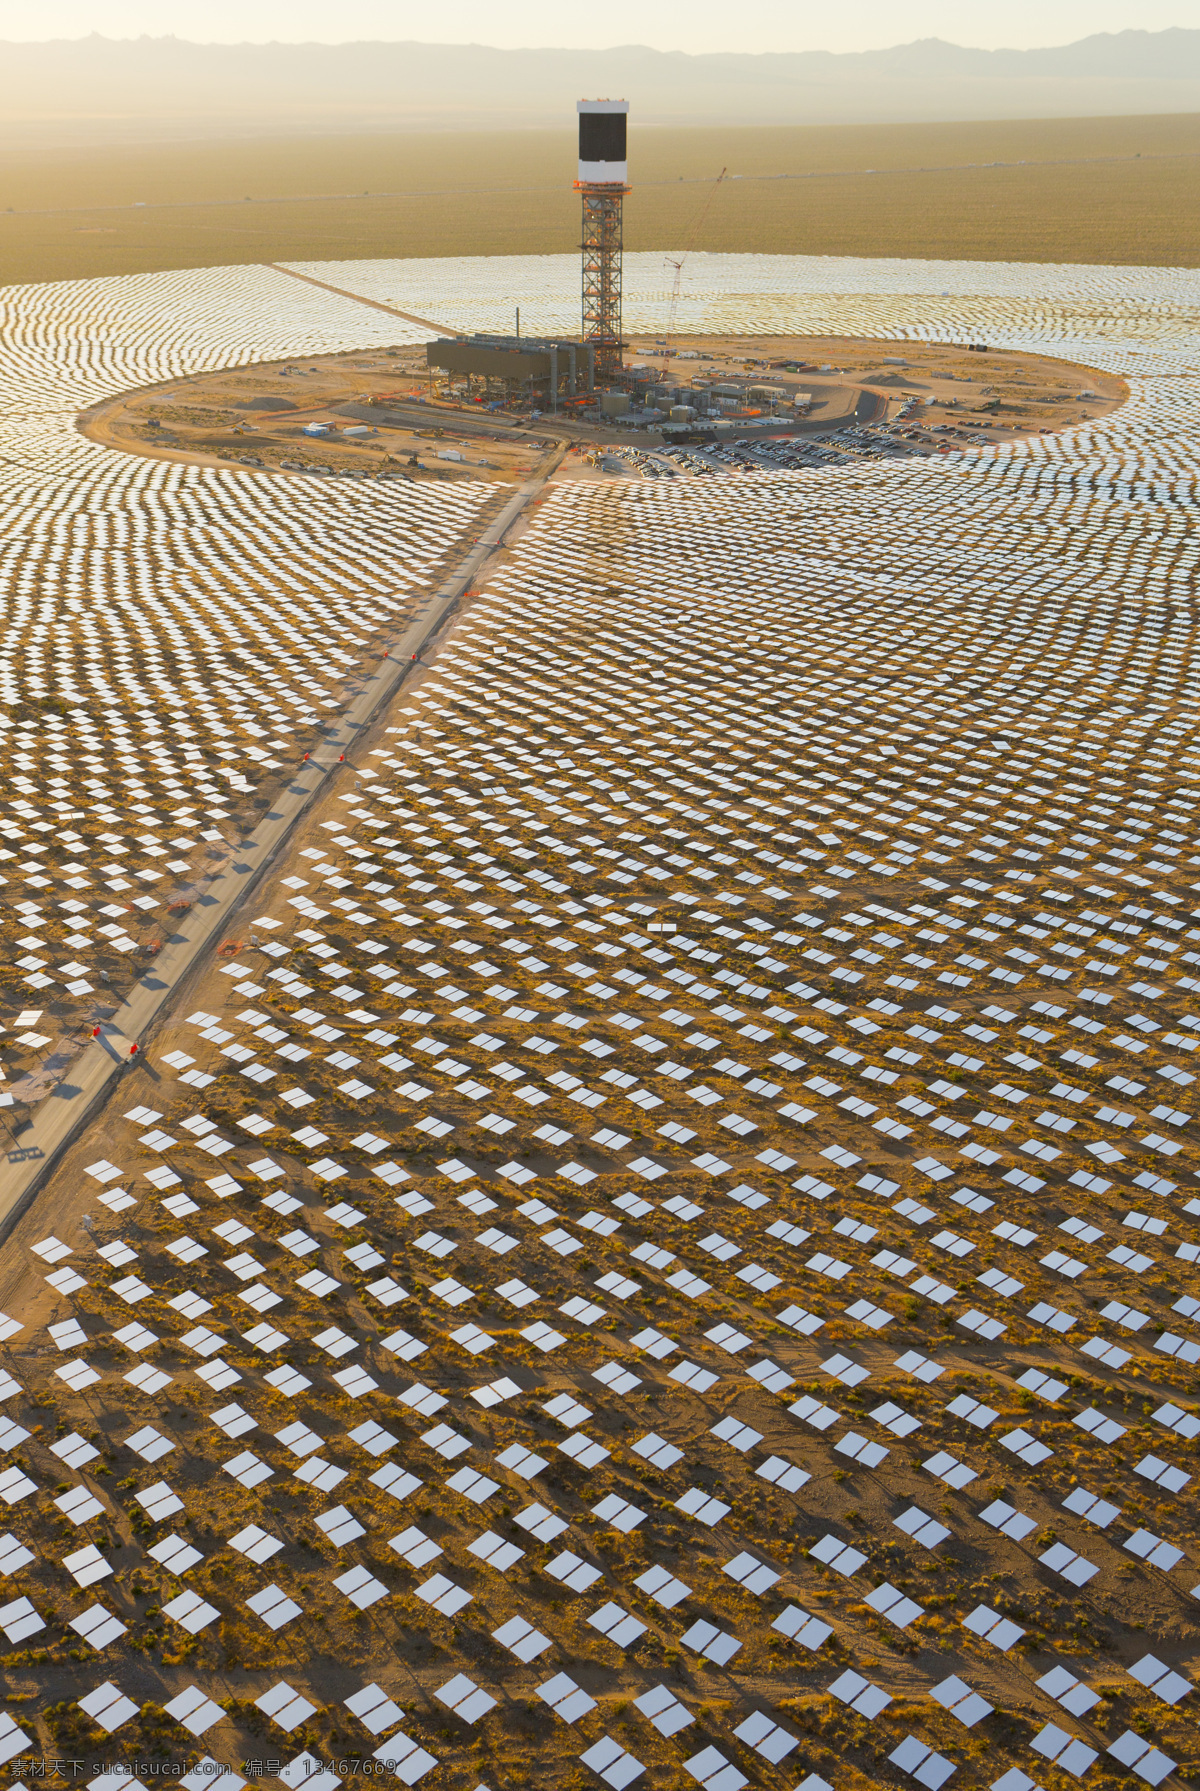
{"x": 677, "y": 263}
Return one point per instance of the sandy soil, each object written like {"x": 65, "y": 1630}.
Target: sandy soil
{"x": 255, "y": 416}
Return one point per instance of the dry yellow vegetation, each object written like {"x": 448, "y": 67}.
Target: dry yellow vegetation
{"x": 1117, "y": 190}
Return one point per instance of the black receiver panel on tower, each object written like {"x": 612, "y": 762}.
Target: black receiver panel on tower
{"x": 602, "y": 155}
{"x": 602, "y": 136}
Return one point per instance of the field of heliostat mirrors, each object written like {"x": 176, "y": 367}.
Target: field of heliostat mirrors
{"x": 659, "y": 1245}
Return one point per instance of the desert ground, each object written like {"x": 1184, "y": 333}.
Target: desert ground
{"x": 412, "y": 428}
{"x": 1112, "y": 190}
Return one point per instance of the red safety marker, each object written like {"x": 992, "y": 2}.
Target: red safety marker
{"x": 307, "y": 755}
{"x": 95, "y": 1032}
{"x": 133, "y": 1050}
{"x": 341, "y": 758}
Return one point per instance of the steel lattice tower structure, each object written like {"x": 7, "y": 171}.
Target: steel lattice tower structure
{"x": 602, "y": 185}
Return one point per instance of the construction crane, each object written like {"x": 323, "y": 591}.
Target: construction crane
{"x": 670, "y": 261}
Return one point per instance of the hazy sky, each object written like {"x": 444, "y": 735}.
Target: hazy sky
{"x": 696, "y": 25}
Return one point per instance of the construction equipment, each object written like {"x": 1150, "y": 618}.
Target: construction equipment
{"x": 671, "y": 261}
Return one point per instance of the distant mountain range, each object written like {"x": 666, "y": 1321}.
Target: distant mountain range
{"x": 96, "y": 87}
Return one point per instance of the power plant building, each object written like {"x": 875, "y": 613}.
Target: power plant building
{"x": 549, "y": 370}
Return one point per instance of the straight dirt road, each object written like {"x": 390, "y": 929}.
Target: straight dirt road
{"x": 56, "y": 1121}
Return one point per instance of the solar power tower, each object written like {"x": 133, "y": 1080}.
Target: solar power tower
{"x": 602, "y": 184}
